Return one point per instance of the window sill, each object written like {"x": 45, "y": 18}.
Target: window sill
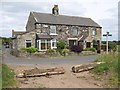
{"x": 53, "y": 47}
{"x": 53, "y": 34}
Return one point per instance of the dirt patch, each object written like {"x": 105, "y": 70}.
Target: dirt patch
{"x": 67, "y": 80}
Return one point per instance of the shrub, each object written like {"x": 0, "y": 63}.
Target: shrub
{"x": 103, "y": 47}
{"x": 51, "y": 51}
{"x": 61, "y": 45}
{"x": 30, "y": 49}
{"x": 90, "y": 49}
{"x": 64, "y": 51}
{"x": 77, "y": 48}
{"x": 112, "y": 46}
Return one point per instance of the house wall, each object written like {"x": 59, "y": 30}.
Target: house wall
{"x": 30, "y": 23}
{"x": 22, "y": 40}
{"x": 63, "y": 33}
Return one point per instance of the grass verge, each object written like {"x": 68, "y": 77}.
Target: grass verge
{"x": 7, "y": 77}
{"x": 108, "y": 71}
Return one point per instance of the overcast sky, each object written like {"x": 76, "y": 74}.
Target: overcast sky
{"x": 15, "y": 13}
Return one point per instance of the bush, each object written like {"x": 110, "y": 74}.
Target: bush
{"x": 103, "y": 47}
{"x": 61, "y": 45}
{"x": 50, "y": 51}
{"x": 65, "y": 51}
{"x": 90, "y": 49}
{"x": 112, "y": 46}
{"x": 30, "y": 49}
{"x": 77, "y": 48}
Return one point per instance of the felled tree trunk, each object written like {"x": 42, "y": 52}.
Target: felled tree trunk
{"x": 86, "y": 67}
{"x": 41, "y": 72}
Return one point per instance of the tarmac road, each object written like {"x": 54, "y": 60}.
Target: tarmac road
{"x": 76, "y": 60}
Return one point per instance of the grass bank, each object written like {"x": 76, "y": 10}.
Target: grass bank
{"x": 108, "y": 71}
{"x": 7, "y": 77}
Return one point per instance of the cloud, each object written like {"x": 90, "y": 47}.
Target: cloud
{"x": 15, "y": 13}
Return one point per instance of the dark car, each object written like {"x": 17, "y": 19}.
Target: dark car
{"x": 6, "y": 46}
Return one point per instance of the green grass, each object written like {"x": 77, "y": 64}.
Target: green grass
{"x": 108, "y": 70}
{"x": 7, "y": 77}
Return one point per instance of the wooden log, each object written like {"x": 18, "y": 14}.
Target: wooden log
{"x": 41, "y": 72}
{"x": 81, "y": 68}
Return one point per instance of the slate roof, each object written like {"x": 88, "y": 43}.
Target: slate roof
{"x": 43, "y": 36}
{"x": 63, "y": 19}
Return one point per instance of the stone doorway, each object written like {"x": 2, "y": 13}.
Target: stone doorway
{"x": 72, "y": 42}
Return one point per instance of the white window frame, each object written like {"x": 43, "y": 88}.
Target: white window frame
{"x": 51, "y": 33}
{"x": 45, "y": 45}
{"x": 38, "y": 26}
{"x": 39, "y": 47}
{"x": 30, "y": 41}
{"x": 94, "y": 32}
{"x": 45, "y": 25}
{"x": 53, "y": 41}
{"x": 73, "y": 30}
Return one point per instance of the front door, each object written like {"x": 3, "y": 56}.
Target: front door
{"x": 72, "y": 42}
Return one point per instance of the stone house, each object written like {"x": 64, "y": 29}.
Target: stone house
{"x": 43, "y": 30}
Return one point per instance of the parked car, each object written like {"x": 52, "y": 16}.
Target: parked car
{"x": 6, "y": 46}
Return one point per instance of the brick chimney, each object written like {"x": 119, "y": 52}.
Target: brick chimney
{"x": 55, "y": 10}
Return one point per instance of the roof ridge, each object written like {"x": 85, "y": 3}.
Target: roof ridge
{"x": 62, "y": 15}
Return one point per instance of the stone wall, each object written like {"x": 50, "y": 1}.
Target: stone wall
{"x": 22, "y": 39}
{"x": 63, "y": 33}
{"x": 30, "y": 23}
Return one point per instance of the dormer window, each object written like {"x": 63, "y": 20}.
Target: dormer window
{"x": 52, "y": 30}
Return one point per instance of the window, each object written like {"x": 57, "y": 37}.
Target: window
{"x": 44, "y": 25}
{"x": 94, "y": 31}
{"x": 38, "y": 26}
{"x": 45, "y": 44}
{"x": 53, "y": 43}
{"x": 74, "y": 30}
{"x": 52, "y": 30}
{"x": 88, "y": 45}
{"x": 28, "y": 43}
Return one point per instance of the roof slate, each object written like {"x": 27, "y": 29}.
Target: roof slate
{"x": 63, "y": 19}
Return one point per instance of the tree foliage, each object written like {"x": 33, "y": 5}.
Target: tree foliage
{"x": 112, "y": 46}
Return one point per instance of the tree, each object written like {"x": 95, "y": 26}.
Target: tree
{"x": 112, "y": 46}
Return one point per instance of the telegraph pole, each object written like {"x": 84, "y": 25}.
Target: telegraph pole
{"x": 106, "y": 35}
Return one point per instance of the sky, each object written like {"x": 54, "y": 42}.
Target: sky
{"x": 15, "y": 13}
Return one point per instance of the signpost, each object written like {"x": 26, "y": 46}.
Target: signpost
{"x": 106, "y": 35}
